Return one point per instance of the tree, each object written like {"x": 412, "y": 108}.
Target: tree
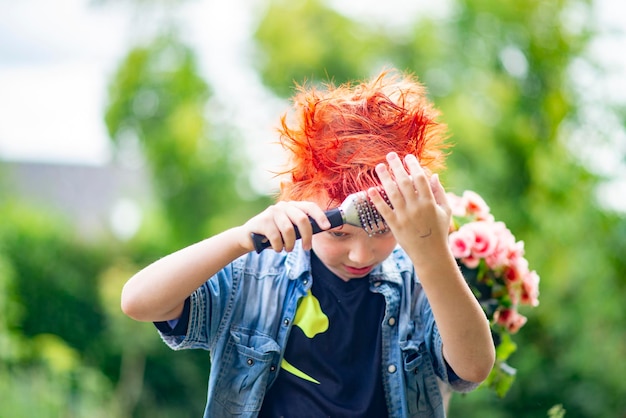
{"x": 158, "y": 103}
{"x": 308, "y": 41}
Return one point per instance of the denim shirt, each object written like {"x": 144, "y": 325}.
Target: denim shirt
{"x": 243, "y": 316}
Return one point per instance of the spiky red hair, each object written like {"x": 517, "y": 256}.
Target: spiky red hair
{"x": 339, "y": 134}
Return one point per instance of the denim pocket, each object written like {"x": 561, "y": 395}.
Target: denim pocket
{"x": 245, "y": 370}
{"x": 421, "y": 383}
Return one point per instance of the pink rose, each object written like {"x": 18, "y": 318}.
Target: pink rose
{"x": 497, "y": 259}
{"x": 484, "y": 239}
{"x": 517, "y": 322}
{"x": 515, "y": 256}
{"x": 470, "y": 261}
{"x": 501, "y": 255}
{"x": 514, "y": 290}
{"x": 516, "y": 271}
{"x": 457, "y": 204}
{"x": 461, "y": 242}
{"x": 505, "y": 238}
{"x": 510, "y": 319}
{"x": 475, "y": 205}
{"x": 475, "y": 235}
{"x": 530, "y": 289}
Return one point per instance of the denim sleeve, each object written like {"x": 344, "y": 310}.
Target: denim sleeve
{"x": 176, "y": 326}
{"x": 434, "y": 345}
{"x": 206, "y": 310}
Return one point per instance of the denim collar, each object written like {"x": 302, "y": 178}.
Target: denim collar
{"x": 298, "y": 263}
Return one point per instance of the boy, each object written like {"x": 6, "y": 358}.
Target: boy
{"x": 339, "y": 323}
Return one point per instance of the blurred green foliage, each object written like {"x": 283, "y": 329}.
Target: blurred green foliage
{"x": 500, "y": 73}
{"x": 158, "y": 102}
{"x": 307, "y": 41}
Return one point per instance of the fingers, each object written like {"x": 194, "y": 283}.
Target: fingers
{"x": 300, "y": 215}
{"x": 403, "y": 182}
{"x": 409, "y": 187}
{"x": 380, "y": 203}
{"x": 284, "y": 219}
{"x": 285, "y": 222}
{"x": 419, "y": 214}
{"x": 439, "y": 193}
{"x": 420, "y": 180}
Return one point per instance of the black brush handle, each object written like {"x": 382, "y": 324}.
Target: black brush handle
{"x": 334, "y": 216}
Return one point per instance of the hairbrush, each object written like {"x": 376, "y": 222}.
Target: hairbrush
{"x": 356, "y": 210}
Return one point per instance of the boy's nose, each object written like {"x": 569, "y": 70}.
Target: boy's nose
{"x": 362, "y": 251}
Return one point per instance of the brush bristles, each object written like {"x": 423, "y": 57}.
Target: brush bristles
{"x": 371, "y": 220}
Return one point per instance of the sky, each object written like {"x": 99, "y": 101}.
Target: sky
{"x": 56, "y": 58}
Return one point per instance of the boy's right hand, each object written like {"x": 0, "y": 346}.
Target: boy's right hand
{"x": 277, "y": 223}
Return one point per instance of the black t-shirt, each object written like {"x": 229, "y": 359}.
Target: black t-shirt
{"x": 332, "y": 362}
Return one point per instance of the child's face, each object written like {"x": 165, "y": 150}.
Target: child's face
{"x": 350, "y": 253}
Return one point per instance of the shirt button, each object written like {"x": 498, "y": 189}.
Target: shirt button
{"x": 250, "y": 362}
{"x": 376, "y": 284}
{"x": 305, "y": 281}
{"x": 391, "y": 368}
{"x": 286, "y": 321}
{"x": 272, "y": 368}
{"x": 392, "y": 321}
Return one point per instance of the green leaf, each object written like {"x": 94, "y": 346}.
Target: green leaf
{"x": 506, "y": 347}
{"x": 500, "y": 379}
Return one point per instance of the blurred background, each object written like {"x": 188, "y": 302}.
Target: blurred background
{"x": 131, "y": 128}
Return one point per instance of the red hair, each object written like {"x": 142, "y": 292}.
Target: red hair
{"x": 339, "y": 134}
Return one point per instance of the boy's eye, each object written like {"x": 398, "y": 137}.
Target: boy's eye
{"x": 337, "y": 234}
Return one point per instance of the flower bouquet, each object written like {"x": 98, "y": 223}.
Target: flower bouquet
{"x": 493, "y": 264}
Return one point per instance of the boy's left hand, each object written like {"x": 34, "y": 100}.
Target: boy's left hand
{"x": 420, "y": 218}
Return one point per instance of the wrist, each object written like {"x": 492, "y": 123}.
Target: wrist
{"x": 243, "y": 239}
{"x": 434, "y": 260}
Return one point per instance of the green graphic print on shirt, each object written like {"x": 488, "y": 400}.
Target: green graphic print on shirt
{"x": 332, "y": 361}
{"x": 312, "y": 321}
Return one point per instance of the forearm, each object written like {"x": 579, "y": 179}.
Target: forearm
{"x": 158, "y": 292}
{"x": 464, "y": 328}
